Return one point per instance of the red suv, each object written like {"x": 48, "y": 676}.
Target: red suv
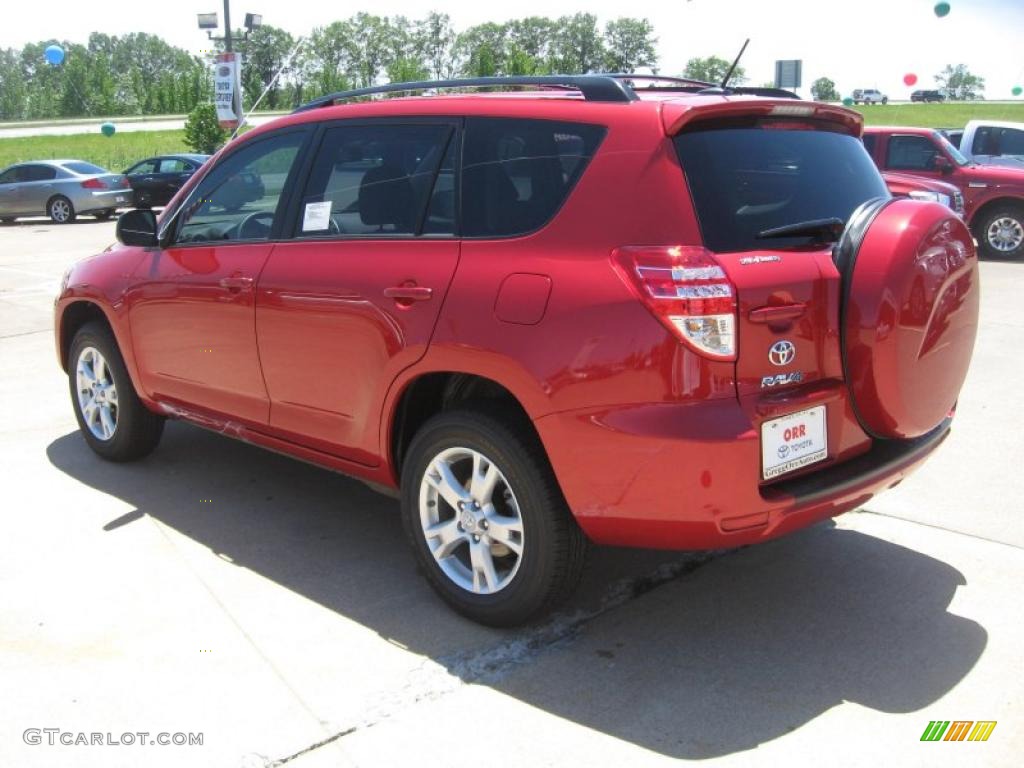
{"x": 677, "y": 316}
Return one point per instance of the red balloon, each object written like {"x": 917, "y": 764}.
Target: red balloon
{"x": 910, "y": 78}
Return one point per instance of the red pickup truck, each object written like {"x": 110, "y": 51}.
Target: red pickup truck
{"x": 993, "y": 195}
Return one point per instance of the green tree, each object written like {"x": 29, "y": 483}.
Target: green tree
{"x": 576, "y": 46}
{"x": 958, "y": 83}
{"x": 435, "y": 39}
{"x": 203, "y": 133}
{"x": 629, "y": 44}
{"x": 265, "y": 53}
{"x": 13, "y": 92}
{"x": 712, "y": 69}
{"x": 824, "y": 89}
{"x": 481, "y": 50}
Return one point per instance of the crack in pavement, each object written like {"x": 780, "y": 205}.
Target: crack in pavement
{"x": 435, "y": 678}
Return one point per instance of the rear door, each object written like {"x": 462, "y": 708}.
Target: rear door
{"x": 171, "y": 174}
{"x": 748, "y": 177}
{"x": 352, "y": 299}
{"x": 142, "y": 178}
{"x": 36, "y": 188}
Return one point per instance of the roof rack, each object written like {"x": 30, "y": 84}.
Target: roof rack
{"x": 593, "y": 87}
{"x": 661, "y": 79}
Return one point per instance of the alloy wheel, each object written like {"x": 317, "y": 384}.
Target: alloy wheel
{"x": 97, "y": 394}
{"x": 471, "y": 520}
{"x": 60, "y": 210}
{"x": 1005, "y": 234}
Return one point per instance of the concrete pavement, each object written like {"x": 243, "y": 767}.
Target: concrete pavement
{"x": 274, "y": 607}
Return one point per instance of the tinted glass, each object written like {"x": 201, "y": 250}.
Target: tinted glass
{"x": 9, "y": 176}
{"x": 372, "y": 179}
{"x": 37, "y": 173}
{"x": 747, "y": 178}
{"x": 238, "y": 200}
{"x": 517, "y": 173}
{"x": 84, "y": 168}
{"x": 911, "y": 153}
{"x": 146, "y": 166}
{"x": 173, "y": 165}
{"x": 870, "y": 140}
{"x": 1011, "y": 141}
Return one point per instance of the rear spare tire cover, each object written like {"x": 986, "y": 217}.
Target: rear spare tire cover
{"x": 909, "y": 317}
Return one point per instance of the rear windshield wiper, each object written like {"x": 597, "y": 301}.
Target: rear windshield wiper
{"x": 822, "y": 230}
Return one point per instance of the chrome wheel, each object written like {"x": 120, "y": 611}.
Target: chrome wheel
{"x": 60, "y": 210}
{"x": 471, "y": 520}
{"x": 97, "y": 395}
{"x": 1005, "y": 234}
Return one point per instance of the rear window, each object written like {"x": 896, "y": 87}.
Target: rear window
{"x": 517, "y": 173}
{"x": 748, "y": 177}
{"x": 86, "y": 168}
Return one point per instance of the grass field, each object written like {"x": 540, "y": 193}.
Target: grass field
{"x": 123, "y": 149}
{"x": 939, "y": 115}
{"x": 115, "y": 153}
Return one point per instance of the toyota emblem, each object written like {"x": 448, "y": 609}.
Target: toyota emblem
{"x": 782, "y": 353}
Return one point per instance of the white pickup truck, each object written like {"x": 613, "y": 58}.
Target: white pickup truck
{"x": 869, "y": 96}
{"x": 993, "y": 142}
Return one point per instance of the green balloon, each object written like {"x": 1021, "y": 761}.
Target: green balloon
{"x": 847, "y": 102}
{"x": 941, "y": 9}
{"x": 107, "y": 129}
{"x": 1017, "y": 90}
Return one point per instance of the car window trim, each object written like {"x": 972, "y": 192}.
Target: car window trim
{"x": 293, "y": 232}
{"x": 168, "y": 233}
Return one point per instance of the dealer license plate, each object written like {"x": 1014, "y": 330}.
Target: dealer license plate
{"x": 119, "y": 199}
{"x": 793, "y": 441}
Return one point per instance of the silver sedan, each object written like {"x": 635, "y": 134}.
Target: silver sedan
{"x": 62, "y": 189}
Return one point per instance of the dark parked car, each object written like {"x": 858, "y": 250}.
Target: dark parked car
{"x": 157, "y": 179}
{"x": 927, "y": 96}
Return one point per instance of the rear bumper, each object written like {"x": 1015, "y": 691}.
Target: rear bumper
{"x": 104, "y": 199}
{"x": 688, "y": 476}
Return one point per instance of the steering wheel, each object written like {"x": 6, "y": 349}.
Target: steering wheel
{"x": 240, "y": 229}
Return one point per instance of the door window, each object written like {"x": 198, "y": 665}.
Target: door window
{"x": 911, "y": 153}
{"x": 146, "y": 166}
{"x": 239, "y": 199}
{"x": 377, "y": 179}
{"x": 517, "y": 173}
{"x": 173, "y": 165}
{"x": 10, "y": 176}
{"x": 38, "y": 173}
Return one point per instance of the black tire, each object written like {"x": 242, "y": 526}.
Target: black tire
{"x": 885, "y": 100}
{"x": 1008, "y": 212}
{"x": 138, "y": 429}
{"x": 553, "y": 547}
{"x": 60, "y": 210}
{"x": 104, "y": 215}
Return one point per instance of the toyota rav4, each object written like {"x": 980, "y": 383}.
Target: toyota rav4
{"x": 649, "y": 314}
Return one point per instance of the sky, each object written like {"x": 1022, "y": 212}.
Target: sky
{"x": 865, "y": 44}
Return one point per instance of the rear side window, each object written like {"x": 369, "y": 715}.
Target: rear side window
{"x": 748, "y": 178}
{"x": 374, "y": 180}
{"x": 174, "y": 165}
{"x": 517, "y": 173}
{"x": 85, "y": 168}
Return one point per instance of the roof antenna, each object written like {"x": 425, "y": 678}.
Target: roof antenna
{"x": 725, "y": 80}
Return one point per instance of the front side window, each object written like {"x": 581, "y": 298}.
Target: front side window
{"x": 911, "y": 153}
{"x": 146, "y": 166}
{"x": 517, "y": 173}
{"x": 10, "y": 176}
{"x": 38, "y": 173}
{"x": 239, "y": 199}
{"x": 375, "y": 180}
{"x": 173, "y": 165}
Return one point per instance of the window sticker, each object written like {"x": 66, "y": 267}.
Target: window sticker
{"x": 317, "y": 216}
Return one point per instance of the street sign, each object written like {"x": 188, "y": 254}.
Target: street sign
{"x": 227, "y": 89}
{"x": 788, "y": 73}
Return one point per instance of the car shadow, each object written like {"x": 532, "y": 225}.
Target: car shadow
{"x": 763, "y": 640}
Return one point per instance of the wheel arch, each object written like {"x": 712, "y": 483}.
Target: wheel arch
{"x": 982, "y": 210}
{"x": 72, "y": 318}
{"x": 433, "y": 392}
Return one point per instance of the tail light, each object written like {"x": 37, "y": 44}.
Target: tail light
{"x": 687, "y": 290}
{"x": 94, "y": 184}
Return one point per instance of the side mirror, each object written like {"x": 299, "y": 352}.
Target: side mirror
{"x": 137, "y": 227}
{"x": 942, "y": 165}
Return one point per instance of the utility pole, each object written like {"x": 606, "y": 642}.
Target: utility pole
{"x": 227, "y": 26}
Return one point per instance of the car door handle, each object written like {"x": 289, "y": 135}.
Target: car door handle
{"x": 777, "y": 313}
{"x": 409, "y": 293}
{"x": 236, "y": 283}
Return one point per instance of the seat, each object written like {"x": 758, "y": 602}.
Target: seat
{"x": 386, "y": 199}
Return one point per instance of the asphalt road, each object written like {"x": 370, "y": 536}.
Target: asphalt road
{"x": 273, "y": 607}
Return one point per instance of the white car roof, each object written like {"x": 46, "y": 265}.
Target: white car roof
{"x": 995, "y": 124}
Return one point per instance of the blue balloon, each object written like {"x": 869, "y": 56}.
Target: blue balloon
{"x": 54, "y": 54}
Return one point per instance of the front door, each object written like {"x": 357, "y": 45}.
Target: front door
{"x": 352, "y": 299}
{"x": 192, "y": 309}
